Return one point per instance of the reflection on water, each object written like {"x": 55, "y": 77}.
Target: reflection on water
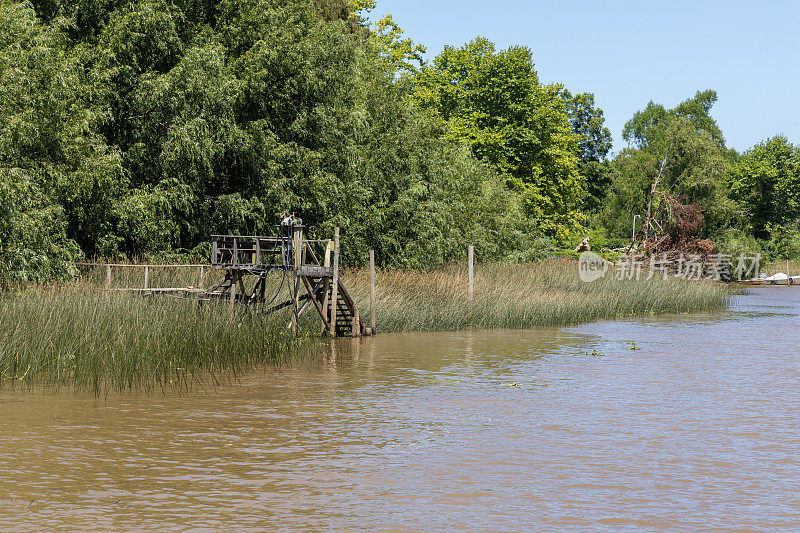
{"x": 549, "y": 429}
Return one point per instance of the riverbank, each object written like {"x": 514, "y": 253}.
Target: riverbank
{"x": 81, "y": 336}
{"x": 519, "y": 296}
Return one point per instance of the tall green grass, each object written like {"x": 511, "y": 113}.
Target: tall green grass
{"x": 522, "y": 296}
{"x": 81, "y": 336}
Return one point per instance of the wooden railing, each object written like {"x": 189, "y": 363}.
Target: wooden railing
{"x": 202, "y": 270}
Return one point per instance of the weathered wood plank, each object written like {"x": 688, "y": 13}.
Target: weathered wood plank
{"x": 315, "y": 271}
{"x": 372, "y": 290}
{"x": 470, "y": 272}
{"x": 335, "y": 289}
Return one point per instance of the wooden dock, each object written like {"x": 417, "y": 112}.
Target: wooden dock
{"x": 311, "y": 264}
{"x": 307, "y": 268}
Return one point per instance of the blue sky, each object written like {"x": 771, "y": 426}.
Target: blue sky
{"x": 628, "y": 53}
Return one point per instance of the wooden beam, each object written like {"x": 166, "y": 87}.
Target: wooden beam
{"x": 470, "y": 272}
{"x": 326, "y": 288}
{"x": 296, "y": 309}
{"x": 242, "y": 289}
{"x": 234, "y": 275}
{"x": 355, "y": 326}
{"x": 335, "y": 289}
{"x": 372, "y": 290}
{"x": 311, "y": 252}
{"x": 313, "y": 297}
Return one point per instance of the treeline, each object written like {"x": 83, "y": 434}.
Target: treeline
{"x": 139, "y": 128}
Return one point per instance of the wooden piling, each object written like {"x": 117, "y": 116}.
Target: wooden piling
{"x": 470, "y": 272}
{"x": 355, "y": 326}
{"x": 296, "y": 306}
{"x": 233, "y": 292}
{"x": 147, "y": 277}
{"x": 335, "y": 281}
{"x": 372, "y": 290}
{"x": 108, "y": 276}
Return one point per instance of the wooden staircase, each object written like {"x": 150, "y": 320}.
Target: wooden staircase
{"x": 346, "y": 313}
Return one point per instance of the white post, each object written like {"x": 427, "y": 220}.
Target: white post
{"x": 146, "y": 277}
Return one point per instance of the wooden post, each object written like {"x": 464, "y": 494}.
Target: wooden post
{"x": 233, "y": 291}
{"x": 788, "y": 276}
{"x": 372, "y": 290}
{"x": 470, "y": 273}
{"x": 146, "y": 277}
{"x": 335, "y": 289}
{"x": 355, "y": 326}
{"x": 108, "y": 276}
{"x": 295, "y": 307}
{"x": 297, "y": 242}
{"x": 202, "y": 280}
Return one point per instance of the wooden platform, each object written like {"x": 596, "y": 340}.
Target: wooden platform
{"x": 311, "y": 267}
{"x": 314, "y": 277}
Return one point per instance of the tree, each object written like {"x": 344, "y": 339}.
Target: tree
{"x": 400, "y": 54}
{"x": 766, "y": 183}
{"x": 49, "y": 117}
{"x": 645, "y": 129}
{"x": 493, "y": 102}
{"x": 595, "y": 143}
{"x": 687, "y": 200}
{"x": 142, "y": 127}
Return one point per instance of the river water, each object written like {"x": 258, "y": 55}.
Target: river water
{"x": 698, "y": 428}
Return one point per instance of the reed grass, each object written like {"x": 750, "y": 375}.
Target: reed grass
{"x": 522, "y": 296}
{"x": 80, "y": 335}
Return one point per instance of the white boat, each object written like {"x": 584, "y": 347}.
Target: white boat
{"x": 776, "y": 279}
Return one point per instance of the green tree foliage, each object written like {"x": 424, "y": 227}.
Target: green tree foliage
{"x": 595, "y": 142}
{"x": 646, "y": 129}
{"x": 766, "y": 183}
{"x": 57, "y": 169}
{"x": 687, "y": 141}
{"x": 33, "y": 241}
{"x": 493, "y": 102}
{"x": 399, "y": 53}
{"x": 143, "y": 127}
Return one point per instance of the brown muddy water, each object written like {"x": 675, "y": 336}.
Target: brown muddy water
{"x": 696, "y": 429}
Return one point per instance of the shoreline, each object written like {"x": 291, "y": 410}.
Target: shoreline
{"x": 79, "y": 336}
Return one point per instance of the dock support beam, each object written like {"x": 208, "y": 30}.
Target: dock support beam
{"x": 233, "y": 291}
{"x": 335, "y": 288}
{"x": 372, "y": 291}
{"x": 470, "y": 272}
